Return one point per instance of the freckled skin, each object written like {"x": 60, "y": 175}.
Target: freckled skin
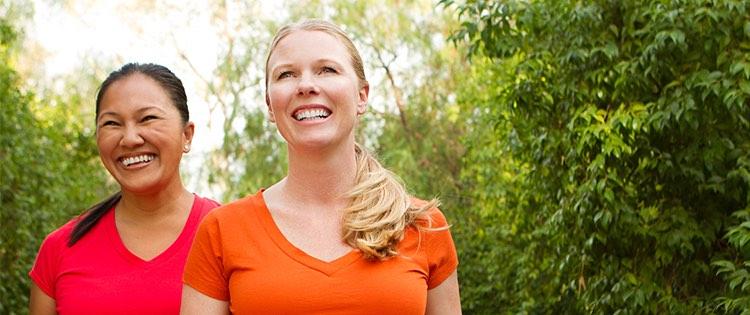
{"x": 314, "y": 68}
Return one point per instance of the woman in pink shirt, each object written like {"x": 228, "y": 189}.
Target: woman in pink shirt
{"x": 126, "y": 254}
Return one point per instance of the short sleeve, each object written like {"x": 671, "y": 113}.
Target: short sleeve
{"x": 46, "y": 265}
{"x": 441, "y": 252}
{"x": 204, "y": 269}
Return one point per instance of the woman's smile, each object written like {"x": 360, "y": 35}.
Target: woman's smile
{"x": 141, "y": 137}
{"x": 314, "y": 95}
{"x": 137, "y": 161}
{"x": 311, "y": 114}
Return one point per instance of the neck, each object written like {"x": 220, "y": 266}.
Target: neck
{"x": 317, "y": 178}
{"x": 136, "y": 206}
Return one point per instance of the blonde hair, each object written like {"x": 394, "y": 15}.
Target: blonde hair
{"x": 325, "y": 27}
{"x": 381, "y": 209}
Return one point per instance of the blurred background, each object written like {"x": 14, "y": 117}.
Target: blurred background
{"x": 593, "y": 157}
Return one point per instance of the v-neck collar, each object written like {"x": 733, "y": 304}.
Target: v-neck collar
{"x": 272, "y": 230}
{"x": 119, "y": 246}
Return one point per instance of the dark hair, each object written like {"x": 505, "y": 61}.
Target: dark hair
{"x": 166, "y": 79}
{"x": 89, "y": 218}
{"x": 173, "y": 86}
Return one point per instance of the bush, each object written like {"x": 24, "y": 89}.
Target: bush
{"x": 622, "y": 132}
{"x": 48, "y": 173}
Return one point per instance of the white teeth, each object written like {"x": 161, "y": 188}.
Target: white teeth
{"x": 316, "y": 113}
{"x": 137, "y": 159}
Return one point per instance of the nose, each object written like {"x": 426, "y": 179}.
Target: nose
{"x": 307, "y": 85}
{"x": 131, "y": 137}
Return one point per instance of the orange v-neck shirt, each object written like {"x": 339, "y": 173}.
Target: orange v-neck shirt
{"x": 239, "y": 255}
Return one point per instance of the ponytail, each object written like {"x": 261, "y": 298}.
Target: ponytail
{"x": 380, "y": 211}
{"x": 89, "y": 218}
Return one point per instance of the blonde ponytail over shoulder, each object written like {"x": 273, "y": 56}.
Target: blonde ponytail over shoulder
{"x": 381, "y": 210}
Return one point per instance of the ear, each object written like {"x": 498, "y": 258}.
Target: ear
{"x": 270, "y": 110}
{"x": 188, "y": 133}
{"x": 363, "y": 94}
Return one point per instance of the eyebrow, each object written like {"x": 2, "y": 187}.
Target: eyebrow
{"x": 291, "y": 65}
{"x": 141, "y": 110}
{"x": 284, "y": 65}
{"x": 325, "y": 60}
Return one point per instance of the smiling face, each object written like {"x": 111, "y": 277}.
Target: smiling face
{"x": 140, "y": 135}
{"x": 314, "y": 94}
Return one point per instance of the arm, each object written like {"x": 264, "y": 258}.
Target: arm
{"x": 40, "y": 303}
{"x": 444, "y": 299}
{"x": 194, "y": 302}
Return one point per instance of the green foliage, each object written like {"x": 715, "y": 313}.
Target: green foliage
{"x": 592, "y": 157}
{"x": 257, "y": 151}
{"x": 251, "y": 154}
{"x": 48, "y": 172}
{"x": 406, "y": 122}
{"x": 621, "y": 140}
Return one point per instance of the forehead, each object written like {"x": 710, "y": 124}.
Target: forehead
{"x": 135, "y": 91}
{"x": 303, "y": 44}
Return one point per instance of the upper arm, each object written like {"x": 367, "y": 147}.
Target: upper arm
{"x": 40, "y": 303}
{"x": 194, "y": 302}
{"x": 204, "y": 268}
{"x": 444, "y": 299}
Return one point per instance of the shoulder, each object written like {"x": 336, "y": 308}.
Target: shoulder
{"x": 235, "y": 210}
{"x": 206, "y": 202}
{"x": 45, "y": 269}
{"x": 432, "y": 217}
{"x": 204, "y": 205}
{"x": 61, "y": 235}
{"x": 225, "y": 228}
{"x": 55, "y": 244}
{"x": 434, "y": 243}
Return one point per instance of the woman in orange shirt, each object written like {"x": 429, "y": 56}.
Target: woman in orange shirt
{"x": 339, "y": 234}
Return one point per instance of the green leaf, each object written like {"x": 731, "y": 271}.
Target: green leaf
{"x": 745, "y": 87}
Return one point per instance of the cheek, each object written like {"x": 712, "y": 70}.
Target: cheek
{"x": 103, "y": 142}
{"x": 104, "y": 148}
{"x": 345, "y": 89}
{"x": 277, "y": 98}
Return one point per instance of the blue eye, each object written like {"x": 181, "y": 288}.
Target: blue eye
{"x": 328, "y": 70}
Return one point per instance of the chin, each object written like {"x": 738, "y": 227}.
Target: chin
{"x": 142, "y": 187}
{"x": 315, "y": 144}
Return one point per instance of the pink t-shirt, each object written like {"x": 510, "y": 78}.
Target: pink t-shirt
{"x": 99, "y": 275}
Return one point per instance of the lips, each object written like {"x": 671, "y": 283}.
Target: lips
{"x": 138, "y": 159}
{"x": 311, "y": 113}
